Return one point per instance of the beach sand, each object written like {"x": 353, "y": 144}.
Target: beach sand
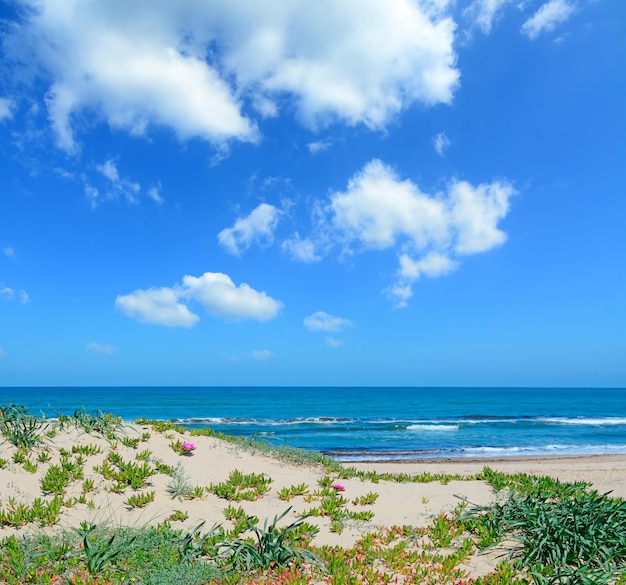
{"x": 413, "y": 504}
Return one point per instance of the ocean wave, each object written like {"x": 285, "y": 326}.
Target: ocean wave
{"x": 432, "y": 427}
{"x": 585, "y": 421}
{"x": 478, "y": 452}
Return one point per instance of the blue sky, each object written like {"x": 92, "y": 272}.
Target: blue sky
{"x": 339, "y": 192}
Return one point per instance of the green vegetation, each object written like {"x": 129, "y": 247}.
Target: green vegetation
{"x": 20, "y": 428}
{"x": 241, "y": 486}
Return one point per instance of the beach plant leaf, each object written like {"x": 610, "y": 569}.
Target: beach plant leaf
{"x": 272, "y": 547}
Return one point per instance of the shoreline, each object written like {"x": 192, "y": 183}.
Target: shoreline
{"x": 606, "y": 473}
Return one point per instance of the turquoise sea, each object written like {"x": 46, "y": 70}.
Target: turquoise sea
{"x": 356, "y": 424}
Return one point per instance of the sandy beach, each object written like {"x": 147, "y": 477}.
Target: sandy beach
{"x": 213, "y": 460}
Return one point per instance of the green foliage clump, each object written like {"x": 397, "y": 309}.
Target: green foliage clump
{"x": 241, "y": 486}
{"x": 19, "y": 427}
{"x": 273, "y": 547}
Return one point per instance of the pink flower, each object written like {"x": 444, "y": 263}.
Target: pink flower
{"x": 339, "y": 487}
{"x": 188, "y": 447}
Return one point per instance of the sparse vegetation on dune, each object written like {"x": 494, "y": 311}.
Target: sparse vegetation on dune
{"x": 545, "y": 531}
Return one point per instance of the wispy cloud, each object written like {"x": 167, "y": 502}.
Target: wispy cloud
{"x": 321, "y": 321}
{"x": 441, "y": 143}
{"x": 7, "y": 106}
{"x": 484, "y": 13}
{"x": 8, "y": 251}
{"x": 100, "y": 349}
{"x": 261, "y": 355}
{"x": 11, "y": 294}
{"x": 548, "y": 17}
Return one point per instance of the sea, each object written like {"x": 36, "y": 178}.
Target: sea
{"x": 352, "y": 424}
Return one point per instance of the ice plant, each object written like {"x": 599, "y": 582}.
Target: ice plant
{"x": 339, "y": 487}
{"x": 188, "y": 447}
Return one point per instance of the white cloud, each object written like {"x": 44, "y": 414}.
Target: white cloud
{"x": 92, "y": 194}
{"x": 159, "y": 306}
{"x": 304, "y": 250}
{"x": 8, "y": 251}
{"x": 100, "y": 349}
{"x": 216, "y": 291}
{"x": 441, "y": 143}
{"x": 483, "y": 13}
{"x": 430, "y": 232}
{"x": 333, "y": 342}
{"x": 432, "y": 265}
{"x": 319, "y": 146}
{"x": 261, "y": 355}
{"x": 258, "y": 227}
{"x": 548, "y": 17}
{"x": 7, "y": 106}
{"x": 10, "y": 294}
{"x": 378, "y": 208}
{"x": 193, "y": 67}
{"x": 475, "y": 212}
{"x": 321, "y": 321}
{"x": 154, "y": 193}
{"x": 222, "y": 298}
{"x": 125, "y": 187}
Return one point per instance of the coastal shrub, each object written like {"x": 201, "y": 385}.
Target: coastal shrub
{"x": 140, "y": 500}
{"x": 366, "y": 500}
{"x": 286, "y": 493}
{"x": 130, "y": 442}
{"x": 19, "y": 427}
{"x": 180, "y": 484}
{"x": 42, "y": 512}
{"x": 104, "y": 424}
{"x": 241, "y": 486}
{"x": 89, "y": 449}
{"x": 576, "y": 538}
{"x": 273, "y": 547}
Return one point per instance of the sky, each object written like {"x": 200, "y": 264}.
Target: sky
{"x": 338, "y": 192}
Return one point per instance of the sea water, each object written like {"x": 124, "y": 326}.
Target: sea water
{"x": 366, "y": 423}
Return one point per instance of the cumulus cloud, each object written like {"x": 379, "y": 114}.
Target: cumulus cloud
{"x": 441, "y": 143}
{"x": 160, "y": 306}
{"x": 431, "y": 232}
{"x": 548, "y": 17}
{"x": 7, "y": 106}
{"x": 194, "y": 68}
{"x": 222, "y": 298}
{"x": 483, "y": 13}
{"x": 321, "y": 321}
{"x": 257, "y": 227}
{"x": 100, "y": 349}
{"x": 215, "y": 291}
{"x": 378, "y": 208}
